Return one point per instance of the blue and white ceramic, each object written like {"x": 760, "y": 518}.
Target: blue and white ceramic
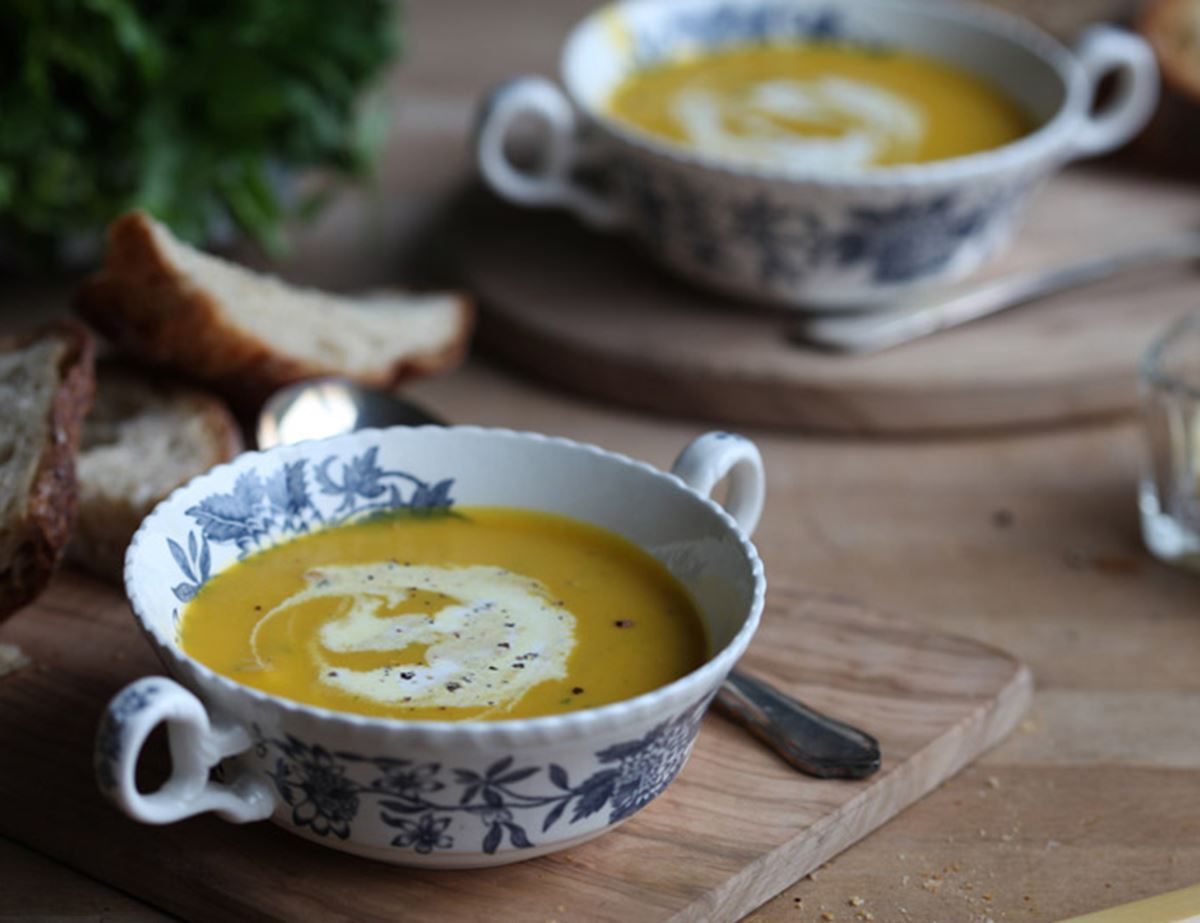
{"x": 437, "y": 794}
{"x": 808, "y": 238}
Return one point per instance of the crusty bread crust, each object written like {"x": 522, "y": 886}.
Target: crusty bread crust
{"x": 50, "y": 510}
{"x": 148, "y": 308}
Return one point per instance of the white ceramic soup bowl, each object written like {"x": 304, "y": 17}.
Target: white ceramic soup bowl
{"x": 438, "y": 794}
{"x": 830, "y": 238}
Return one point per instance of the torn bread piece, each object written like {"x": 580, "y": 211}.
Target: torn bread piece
{"x": 143, "y": 439}
{"x": 247, "y": 334}
{"x": 46, "y": 388}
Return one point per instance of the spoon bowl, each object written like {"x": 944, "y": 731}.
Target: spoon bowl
{"x": 325, "y": 407}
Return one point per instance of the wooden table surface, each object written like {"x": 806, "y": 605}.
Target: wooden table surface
{"x": 1028, "y": 541}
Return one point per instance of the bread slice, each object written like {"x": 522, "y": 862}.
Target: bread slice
{"x": 46, "y": 386}
{"x": 1173, "y": 28}
{"x": 142, "y": 439}
{"x": 1171, "y": 142}
{"x": 247, "y": 334}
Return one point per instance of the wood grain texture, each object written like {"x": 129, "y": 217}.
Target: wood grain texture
{"x": 736, "y": 828}
{"x": 33, "y": 887}
{"x": 593, "y": 314}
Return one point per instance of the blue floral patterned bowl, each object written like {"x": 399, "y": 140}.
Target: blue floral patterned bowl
{"x": 439, "y": 794}
{"x": 808, "y": 237}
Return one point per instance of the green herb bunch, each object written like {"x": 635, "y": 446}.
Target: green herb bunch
{"x": 191, "y": 109}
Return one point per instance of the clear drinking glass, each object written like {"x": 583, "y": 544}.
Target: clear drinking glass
{"x": 1169, "y": 495}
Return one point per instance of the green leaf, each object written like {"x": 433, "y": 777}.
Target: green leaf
{"x": 193, "y": 109}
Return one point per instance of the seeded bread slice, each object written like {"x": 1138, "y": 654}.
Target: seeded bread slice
{"x": 46, "y": 387}
{"x": 246, "y": 334}
{"x": 142, "y": 439}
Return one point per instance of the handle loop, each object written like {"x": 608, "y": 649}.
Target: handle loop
{"x": 708, "y": 459}
{"x": 196, "y": 744}
{"x": 556, "y": 183}
{"x": 1104, "y": 50}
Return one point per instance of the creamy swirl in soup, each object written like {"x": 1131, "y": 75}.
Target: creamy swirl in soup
{"x": 820, "y": 106}
{"x": 482, "y": 614}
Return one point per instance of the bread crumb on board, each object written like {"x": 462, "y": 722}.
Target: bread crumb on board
{"x": 12, "y": 658}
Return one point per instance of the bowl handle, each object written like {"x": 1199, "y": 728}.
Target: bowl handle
{"x": 1105, "y": 50}
{"x": 555, "y": 184}
{"x": 708, "y": 459}
{"x": 197, "y": 745}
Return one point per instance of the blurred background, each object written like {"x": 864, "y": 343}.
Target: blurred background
{"x": 317, "y": 135}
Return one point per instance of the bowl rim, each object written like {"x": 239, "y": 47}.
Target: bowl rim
{"x": 655, "y": 703}
{"x": 1046, "y": 141}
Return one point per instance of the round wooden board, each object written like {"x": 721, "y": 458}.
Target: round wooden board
{"x": 591, "y": 313}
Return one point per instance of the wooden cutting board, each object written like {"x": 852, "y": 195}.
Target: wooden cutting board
{"x": 737, "y": 827}
{"x": 592, "y": 313}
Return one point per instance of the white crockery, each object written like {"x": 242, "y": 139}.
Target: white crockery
{"x": 436, "y": 794}
{"x": 807, "y": 237}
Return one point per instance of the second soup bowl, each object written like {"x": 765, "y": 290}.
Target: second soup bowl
{"x": 428, "y": 793}
{"x": 808, "y": 237}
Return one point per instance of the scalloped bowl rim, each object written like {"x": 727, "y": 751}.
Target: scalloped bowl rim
{"x": 545, "y": 726}
{"x": 1045, "y": 141}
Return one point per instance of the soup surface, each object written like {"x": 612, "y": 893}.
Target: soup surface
{"x": 485, "y": 613}
{"x": 822, "y": 105}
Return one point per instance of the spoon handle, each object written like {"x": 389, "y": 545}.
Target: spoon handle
{"x": 869, "y": 333}
{"x": 808, "y": 740}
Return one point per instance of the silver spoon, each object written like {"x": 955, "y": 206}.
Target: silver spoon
{"x": 861, "y": 334}
{"x": 808, "y": 740}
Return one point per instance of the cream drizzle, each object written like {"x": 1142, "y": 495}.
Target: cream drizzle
{"x": 502, "y": 635}
{"x": 868, "y": 122}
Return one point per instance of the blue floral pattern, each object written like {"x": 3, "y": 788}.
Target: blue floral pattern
{"x": 734, "y": 23}
{"x": 315, "y": 786}
{"x": 108, "y": 739}
{"x": 785, "y": 244}
{"x": 422, "y": 801}
{"x": 697, "y": 227}
{"x": 909, "y": 240}
{"x": 291, "y": 500}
